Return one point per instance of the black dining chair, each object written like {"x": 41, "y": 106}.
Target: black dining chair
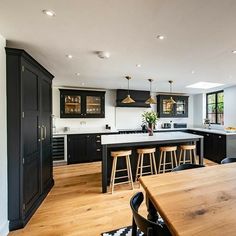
{"x": 187, "y": 167}
{"x": 149, "y": 228}
{"x": 228, "y": 160}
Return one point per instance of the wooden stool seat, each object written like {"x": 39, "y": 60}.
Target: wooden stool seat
{"x": 146, "y": 150}
{"x": 121, "y": 154}
{"x": 152, "y": 162}
{"x": 187, "y": 147}
{"x": 192, "y": 154}
{"x": 173, "y": 162}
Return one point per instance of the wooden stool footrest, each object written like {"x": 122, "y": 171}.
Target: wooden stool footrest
{"x": 120, "y": 170}
{"x": 122, "y": 177}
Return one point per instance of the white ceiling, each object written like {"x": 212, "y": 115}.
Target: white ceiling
{"x": 200, "y": 36}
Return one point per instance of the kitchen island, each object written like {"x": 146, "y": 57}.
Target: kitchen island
{"x": 133, "y": 141}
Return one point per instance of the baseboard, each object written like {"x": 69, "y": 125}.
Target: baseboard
{"x": 4, "y": 229}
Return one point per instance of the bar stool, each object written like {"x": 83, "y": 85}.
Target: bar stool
{"x": 152, "y": 162}
{"x": 184, "y": 149}
{"x": 118, "y": 154}
{"x": 163, "y": 163}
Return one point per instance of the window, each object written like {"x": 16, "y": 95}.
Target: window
{"x": 215, "y": 107}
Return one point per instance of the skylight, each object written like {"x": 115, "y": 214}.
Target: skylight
{"x": 204, "y": 85}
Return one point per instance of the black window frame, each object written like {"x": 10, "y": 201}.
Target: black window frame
{"x": 216, "y": 102}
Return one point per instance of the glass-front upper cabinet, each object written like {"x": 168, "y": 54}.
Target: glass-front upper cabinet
{"x": 82, "y": 104}
{"x": 167, "y": 108}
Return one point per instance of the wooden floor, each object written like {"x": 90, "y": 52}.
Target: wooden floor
{"x": 76, "y": 207}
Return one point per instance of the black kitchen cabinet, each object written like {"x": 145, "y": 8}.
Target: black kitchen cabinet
{"x": 139, "y": 97}
{"x": 165, "y": 108}
{"x": 82, "y": 104}
{"x": 216, "y": 146}
{"x": 83, "y": 148}
{"x": 29, "y": 107}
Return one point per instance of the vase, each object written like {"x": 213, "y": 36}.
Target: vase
{"x": 150, "y": 129}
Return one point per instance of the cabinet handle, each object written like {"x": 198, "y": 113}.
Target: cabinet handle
{"x": 207, "y": 134}
{"x": 45, "y": 132}
{"x": 98, "y": 141}
{"x": 39, "y": 133}
{"x": 98, "y": 136}
{"x": 42, "y": 133}
{"x": 98, "y": 150}
{"x": 220, "y": 137}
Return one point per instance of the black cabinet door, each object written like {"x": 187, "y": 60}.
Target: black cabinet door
{"x": 93, "y": 148}
{"x": 220, "y": 147}
{"x": 45, "y": 115}
{"x": 77, "y": 149}
{"x": 30, "y": 136}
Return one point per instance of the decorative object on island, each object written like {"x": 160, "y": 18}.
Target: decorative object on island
{"x": 128, "y": 99}
{"x": 150, "y": 118}
{"x": 150, "y": 100}
{"x": 207, "y": 123}
{"x": 171, "y": 98}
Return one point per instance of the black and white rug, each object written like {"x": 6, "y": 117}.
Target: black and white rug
{"x": 126, "y": 231}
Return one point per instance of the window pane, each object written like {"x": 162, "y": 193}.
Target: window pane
{"x": 212, "y": 117}
{"x": 220, "y": 97}
{"x": 211, "y": 98}
{"x": 220, "y": 107}
{"x": 211, "y": 108}
{"x": 220, "y": 118}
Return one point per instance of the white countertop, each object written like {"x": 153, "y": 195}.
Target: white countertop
{"x": 85, "y": 131}
{"x": 136, "y": 138}
{"x": 214, "y": 131}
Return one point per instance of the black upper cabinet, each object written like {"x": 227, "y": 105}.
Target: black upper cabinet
{"x": 29, "y": 106}
{"x": 165, "y": 108}
{"x": 139, "y": 97}
{"x": 82, "y": 104}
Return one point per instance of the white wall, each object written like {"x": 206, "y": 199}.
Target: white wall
{"x": 229, "y": 106}
{"x": 116, "y": 117}
{"x": 3, "y": 141}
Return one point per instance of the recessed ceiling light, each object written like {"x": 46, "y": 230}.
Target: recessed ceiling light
{"x": 138, "y": 65}
{"x": 49, "y": 12}
{"x": 161, "y": 37}
{"x": 234, "y": 51}
{"x": 103, "y": 54}
{"x": 69, "y": 56}
{"x": 204, "y": 85}
{"x": 82, "y": 84}
{"x": 77, "y": 74}
{"x": 193, "y": 72}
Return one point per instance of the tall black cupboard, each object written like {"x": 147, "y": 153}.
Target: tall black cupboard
{"x": 29, "y": 107}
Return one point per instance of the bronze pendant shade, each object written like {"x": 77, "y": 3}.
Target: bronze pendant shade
{"x": 128, "y": 99}
{"x": 150, "y": 100}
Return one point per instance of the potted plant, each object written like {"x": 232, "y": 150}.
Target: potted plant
{"x": 150, "y": 119}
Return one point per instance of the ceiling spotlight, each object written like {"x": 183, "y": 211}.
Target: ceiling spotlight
{"x": 138, "y": 65}
{"x": 103, "y": 54}
{"x": 77, "y": 74}
{"x": 82, "y": 84}
{"x": 193, "y": 72}
{"x": 49, "y": 12}
{"x": 69, "y": 56}
{"x": 234, "y": 51}
{"x": 161, "y": 37}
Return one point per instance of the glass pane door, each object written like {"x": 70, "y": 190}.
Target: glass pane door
{"x": 72, "y": 104}
{"x": 180, "y": 107}
{"x": 167, "y": 106}
{"x": 93, "y": 105}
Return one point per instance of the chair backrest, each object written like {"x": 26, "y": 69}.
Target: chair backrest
{"x": 228, "y": 160}
{"x": 149, "y": 228}
{"x": 187, "y": 166}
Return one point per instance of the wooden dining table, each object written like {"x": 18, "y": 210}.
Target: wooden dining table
{"x": 195, "y": 202}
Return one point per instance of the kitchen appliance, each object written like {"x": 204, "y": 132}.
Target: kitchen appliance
{"x": 180, "y": 125}
{"x": 166, "y": 125}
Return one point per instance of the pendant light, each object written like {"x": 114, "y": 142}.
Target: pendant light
{"x": 128, "y": 99}
{"x": 150, "y": 100}
{"x": 171, "y": 99}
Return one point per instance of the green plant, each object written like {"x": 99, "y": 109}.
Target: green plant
{"x": 150, "y": 117}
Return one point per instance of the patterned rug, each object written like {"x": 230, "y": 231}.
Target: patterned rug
{"x": 126, "y": 231}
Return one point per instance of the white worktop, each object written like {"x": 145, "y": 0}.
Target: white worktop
{"x": 85, "y": 131}
{"x": 141, "y": 138}
{"x": 214, "y": 131}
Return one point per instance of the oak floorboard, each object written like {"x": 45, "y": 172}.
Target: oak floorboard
{"x": 76, "y": 207}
